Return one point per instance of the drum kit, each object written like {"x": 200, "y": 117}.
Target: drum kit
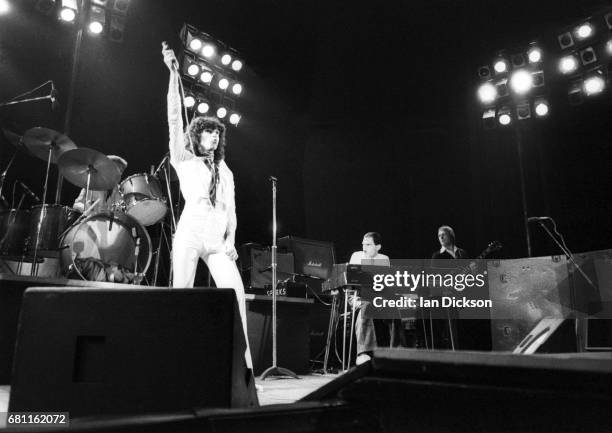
{"x": 116, "y": 237}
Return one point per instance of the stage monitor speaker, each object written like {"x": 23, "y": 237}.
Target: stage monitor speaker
{"x": 129, "y": 351}
{"x": 550, "y": 335}
{"x": 460, "y": 391}
{"x": 312, "y": 258}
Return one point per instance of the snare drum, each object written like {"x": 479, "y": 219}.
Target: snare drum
{"x": 111, "y": 238}
{"x": 55, "y": 219}
{"x": 143, "y": 198}
{"x": 14, "y": 225}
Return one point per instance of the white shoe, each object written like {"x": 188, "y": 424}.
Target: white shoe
{"x": 362, "y": 358}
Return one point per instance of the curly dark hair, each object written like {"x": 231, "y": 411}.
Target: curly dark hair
{"x": 194, "y": 130}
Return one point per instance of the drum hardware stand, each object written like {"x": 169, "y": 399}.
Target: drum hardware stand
{"x": 162, "y": 237}
{"x": 50, "y": 97}
{"x": 274, "y": 370}
{"x": 3, "y": 175}
{"x": 348, "y": 294}
{"x": 43, "y": 209}
{"x": 164, "y": 166}
{"x": 333, "y": 317}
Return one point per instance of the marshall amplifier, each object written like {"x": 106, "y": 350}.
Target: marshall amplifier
{"x": 256, "y": 266}
{"x": 312, "y": 258}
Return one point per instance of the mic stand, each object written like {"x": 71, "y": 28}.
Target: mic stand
{"x": 570, "y": 256}
{"x": 22, "y": 101}
{"x": 275, "y": 370}
{"x": 3, "y": 175}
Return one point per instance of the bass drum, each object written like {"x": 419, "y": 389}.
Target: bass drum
{"x": 56, "y": 219}
{"x": 111, "y": 238}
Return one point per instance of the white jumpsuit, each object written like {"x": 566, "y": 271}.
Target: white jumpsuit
{"x": 203, "y": 231}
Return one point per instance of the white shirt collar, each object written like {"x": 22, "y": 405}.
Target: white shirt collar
{"x": 452, "y": 252}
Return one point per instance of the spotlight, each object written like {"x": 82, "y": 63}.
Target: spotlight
{"x": 234, "y": 118}
{"x": 538, "y": 78}
{"x": 504, "y": 117}
{"x": 521, "y": 82}
{"x": 193, "y": 70}
{"x": 502, "y": 88}
{"x": 223, "y": 84}
{"x": 45, "y": 6}
{"x": 588, "y": 56}
{"x": 534, "y": 55}
{"x": 203, "y": 108}
{"x": 237, "y": 65}
{"x": 583, "y": 31}
{"x": 523, "y": 111}
{"x": 206, "y": 77}
{"x": 5, "y": 7}
{"x": 68, "y": 15}
{"x": 195, "y": 44}
{"x": 208, "y": 51}
{"x": 565, "y": 40}
{"x": 116, "y": 28}
{"x": 96, "y": 27}
{"x": 226, "y": 59}
{"x": 221, "y": 112}
{"x": 518, "y": 60}
{"x": 568, "y": 64}
{"x": 121, "y": 6}
{"x": 488, "y": 118}
{"x": 484, "y": 72}
{"x": 609, "y": 47}
{"x": 541, "y": 107}
{"x": 487, "y": 93}
{"x": 594, "y": 85}
{"x": 501, "y": 66}
{"x": 189, "y": 101}
{"x": 97, "y": 17}
{"x": 237, "y": 89}
{"x": 68, "y": 11}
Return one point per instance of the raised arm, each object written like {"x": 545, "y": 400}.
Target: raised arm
{"x": 175, "y": 119}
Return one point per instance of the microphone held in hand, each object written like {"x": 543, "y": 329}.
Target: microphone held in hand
{"x": 173, "y": 62}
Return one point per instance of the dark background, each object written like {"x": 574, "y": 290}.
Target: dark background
{"x": 365, "y": 112}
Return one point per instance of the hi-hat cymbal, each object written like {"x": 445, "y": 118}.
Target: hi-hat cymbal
{"x": 75, "y": 164}
{"x": 40, "y": 141}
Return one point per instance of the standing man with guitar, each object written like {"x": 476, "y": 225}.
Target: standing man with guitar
{"x": 448, "y": 248}
{"x": 448, "y": 331}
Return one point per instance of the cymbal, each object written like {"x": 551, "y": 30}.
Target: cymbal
{"x": 39, "y": 141}
{"x": 76, "y": 163}
{"x": 11, "y": 137}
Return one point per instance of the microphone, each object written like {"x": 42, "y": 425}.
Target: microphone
{"x": 174, "y": 63}
{"x": 161, "y": 164}
{"x": 28, "y": 191}
{"x": 272, "y": 179}
{"x": 53, "y": 97}
{"x": 532, "y": 219}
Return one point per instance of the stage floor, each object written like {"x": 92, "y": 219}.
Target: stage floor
{"x": 269, "y": 391}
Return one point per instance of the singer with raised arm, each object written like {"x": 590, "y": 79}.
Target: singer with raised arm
{"x": 207, "y": 226}
{"x": 101, "y": 201}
